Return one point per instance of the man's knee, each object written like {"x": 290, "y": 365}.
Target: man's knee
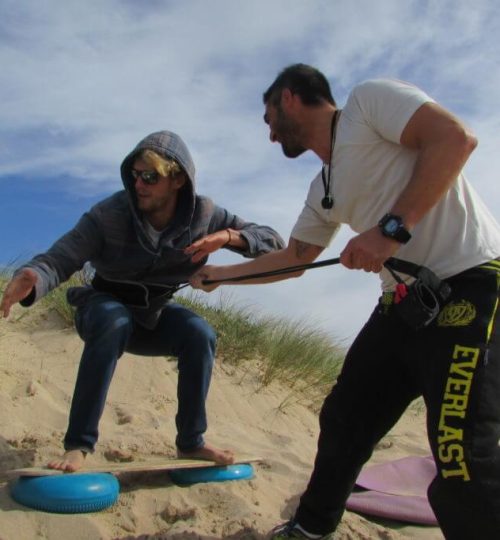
{"x": 201, "y": 332}
{"x": 106, "y": 319}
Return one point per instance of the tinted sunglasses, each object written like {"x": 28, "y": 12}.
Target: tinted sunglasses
{"x": 148, "y": 177}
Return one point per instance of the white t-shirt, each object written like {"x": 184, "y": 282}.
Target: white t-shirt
{"x": 370, "y": 168}
{"x": 152, "y": 233}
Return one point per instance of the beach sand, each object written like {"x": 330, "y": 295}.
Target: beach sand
{"x": 38, "y": 365}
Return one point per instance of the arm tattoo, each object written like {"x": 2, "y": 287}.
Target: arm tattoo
{"x": 301, "y": 249}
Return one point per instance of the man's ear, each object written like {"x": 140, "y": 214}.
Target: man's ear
{"x": 286, "y": 97}
{"x": 289, "y": 101}
{"x": 179, "y": 180}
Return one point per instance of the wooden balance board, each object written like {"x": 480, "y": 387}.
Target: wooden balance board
{"x": 135, "y": 466}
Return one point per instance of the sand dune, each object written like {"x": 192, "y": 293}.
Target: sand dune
{"x": 38, "y": 363}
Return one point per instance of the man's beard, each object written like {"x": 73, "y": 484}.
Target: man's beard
{"x": 292, "y": 151}
{"x": 288, "y": 133}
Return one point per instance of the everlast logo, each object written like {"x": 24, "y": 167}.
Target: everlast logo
{"x": 460, "y": 313}
{"x": 454, "y": 411}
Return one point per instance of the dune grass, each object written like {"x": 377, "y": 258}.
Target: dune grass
{"x": 56, "y": 300}
{"x": 289, "y": 352}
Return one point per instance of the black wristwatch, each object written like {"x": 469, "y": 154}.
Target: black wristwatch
{"x": 392, "y": 227}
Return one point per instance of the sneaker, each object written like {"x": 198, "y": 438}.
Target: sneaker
{"x": 291, "y": 529}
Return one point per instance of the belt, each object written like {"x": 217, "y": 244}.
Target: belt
{"x": 133, "y": 293}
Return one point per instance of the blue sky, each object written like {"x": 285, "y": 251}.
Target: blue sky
{"x": 82, "y": 82}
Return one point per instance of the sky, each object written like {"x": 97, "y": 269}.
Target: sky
{"x": 82, "y": 82}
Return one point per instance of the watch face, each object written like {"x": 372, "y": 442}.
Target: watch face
{"x": 391, "y": 226}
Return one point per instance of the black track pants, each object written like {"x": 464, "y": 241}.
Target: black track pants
{"x": 455, "y": 364}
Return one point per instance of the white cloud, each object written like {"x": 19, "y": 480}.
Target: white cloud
{"x": 82, "y": 82}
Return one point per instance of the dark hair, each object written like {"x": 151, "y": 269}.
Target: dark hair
{"x": 306, "y": 81}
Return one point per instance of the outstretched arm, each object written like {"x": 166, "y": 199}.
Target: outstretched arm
{"x": 294, "y": 254}
{"x": 48, "y": 270}
{"x": 212, "y": 242}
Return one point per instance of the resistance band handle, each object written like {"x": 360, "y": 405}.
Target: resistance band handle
{"x": 422, "y": 273}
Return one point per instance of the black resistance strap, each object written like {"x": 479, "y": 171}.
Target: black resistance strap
{"x": 417, "y": 304}
{"x": 277, "y": 272}
{"x": 392, "y": 264}
{"x": 421, "y": 274}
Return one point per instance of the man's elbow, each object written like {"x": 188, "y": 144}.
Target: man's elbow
{"x": 472, "y": 143}
{"x": 465, "y": 142}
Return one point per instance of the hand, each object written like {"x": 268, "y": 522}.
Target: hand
{"x": 208, "y": 244}
{"x": 368, "y": 251}
{"x": 207, "y": 272}
{"x": 18, "y": 289}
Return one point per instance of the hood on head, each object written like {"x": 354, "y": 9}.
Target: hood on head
{"x": 166, "y": 144}
{"x": 170, "y": 146}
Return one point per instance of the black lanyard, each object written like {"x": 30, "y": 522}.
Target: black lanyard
{"x": 327, "y": 200}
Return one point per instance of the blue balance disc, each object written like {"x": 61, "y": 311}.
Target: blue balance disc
{"x": 240, "y": 471}
{"x": 68, "y": 493}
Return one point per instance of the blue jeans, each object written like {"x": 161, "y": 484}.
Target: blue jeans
{"x": 108, "y": 329}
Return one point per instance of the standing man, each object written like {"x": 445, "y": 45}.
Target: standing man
{"x": 143, "y": 242}
{"x": 392, "y": 170}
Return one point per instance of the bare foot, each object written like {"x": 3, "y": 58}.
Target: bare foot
{"x": 71, "y": 461}
{"x": 210, "y": 453}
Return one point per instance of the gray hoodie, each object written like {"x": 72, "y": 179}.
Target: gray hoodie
{"x": 111, "y": 236}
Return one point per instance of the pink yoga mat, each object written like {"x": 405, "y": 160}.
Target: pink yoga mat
{"x": 396, "y": 490}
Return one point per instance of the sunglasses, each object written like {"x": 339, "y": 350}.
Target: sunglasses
{"x": 148, "y": 177}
